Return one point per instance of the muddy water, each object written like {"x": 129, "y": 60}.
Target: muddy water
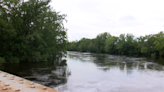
{"x": 88, "y": 72}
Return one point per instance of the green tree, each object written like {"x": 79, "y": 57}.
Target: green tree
{"x": 31, "y": 31}
{"x": 82, "y": 45}
{"x": 100, "y": 41}
{"x": 121, "y": 44}
{"x": 110, "y": 44}
{"x": 159, "y": 43}
{"x": 129, "y": 44}
{"x": 148, "y": 45}
{"x": 92, "y": 47}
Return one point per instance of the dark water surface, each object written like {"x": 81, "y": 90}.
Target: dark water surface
{"x": 88, "y": 72}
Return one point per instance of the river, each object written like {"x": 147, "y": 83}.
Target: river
{"x": 89, "y": 72}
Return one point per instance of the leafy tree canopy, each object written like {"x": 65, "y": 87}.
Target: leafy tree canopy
{"x": 125, "y": 44}
{"x": 31, "y": 31}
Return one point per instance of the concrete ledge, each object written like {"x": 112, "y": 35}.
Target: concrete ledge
{"x": 12, "y": 83}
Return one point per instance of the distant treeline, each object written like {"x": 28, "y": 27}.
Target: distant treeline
{"x": 126, "y": 44}
{"x": 30, "y": 31}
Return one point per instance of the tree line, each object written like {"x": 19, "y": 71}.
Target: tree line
{"x": 30, "y": 31}
{"x": 125, "y": 44}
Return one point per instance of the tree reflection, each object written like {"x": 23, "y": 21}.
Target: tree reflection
{"x": 126, "y": 64}
{"x": 50, "y": 73}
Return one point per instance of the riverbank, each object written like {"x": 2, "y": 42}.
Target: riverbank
{"x": 12, "y": 83}
{"x": 125, "y": 44}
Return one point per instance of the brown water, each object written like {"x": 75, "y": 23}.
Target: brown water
{"x": 88, "y": 72}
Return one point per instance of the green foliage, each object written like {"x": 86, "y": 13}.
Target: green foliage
{"x": 153, "y": 55}
{"x": 2, "y": 60}
{"x": 159, "y": 43}
{"x": 144, "y": 49}
{"x": 31, "y": 31}
{"x": 110, "y": 44}
{"x": 125, "y": 44}
{"x": 82, "y": 44}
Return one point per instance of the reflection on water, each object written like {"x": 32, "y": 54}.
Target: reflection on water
{"x": 110, "y": 73}
{"x": 47, "y": 73}
{"x": 105, "y": 61}
{"x": 89, "y": 72}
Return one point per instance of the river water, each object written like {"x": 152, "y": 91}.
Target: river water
{"x": 89, "y": 72}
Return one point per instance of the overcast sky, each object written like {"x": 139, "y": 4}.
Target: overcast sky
{"x": 88, "y": 18}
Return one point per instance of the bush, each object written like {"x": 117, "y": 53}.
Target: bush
{"x": 153, "y": 56}
{"x": 2, "y": 60}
